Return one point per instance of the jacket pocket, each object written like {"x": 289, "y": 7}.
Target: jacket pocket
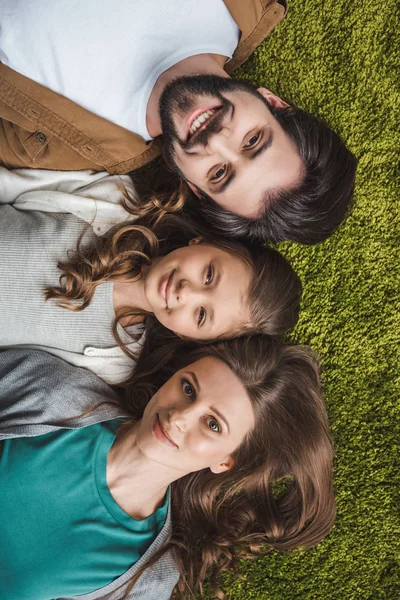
{"x": 32, "y": 142}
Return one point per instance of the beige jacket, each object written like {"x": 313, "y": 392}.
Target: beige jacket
{"x": 42, "y": 129}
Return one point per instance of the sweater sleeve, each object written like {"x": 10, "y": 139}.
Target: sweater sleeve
{"x": 40, "y": 393}
{"x": 94, "y": 197}
{"x": 158, "y": 582}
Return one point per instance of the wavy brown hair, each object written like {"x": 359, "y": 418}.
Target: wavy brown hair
{"x": 275, "y": 289}
{"x": 279, "y": 492}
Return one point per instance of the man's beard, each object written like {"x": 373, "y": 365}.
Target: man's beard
{"x": 180, "y": 96}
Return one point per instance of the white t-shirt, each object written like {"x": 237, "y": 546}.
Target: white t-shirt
{"x": 106, "y": 55}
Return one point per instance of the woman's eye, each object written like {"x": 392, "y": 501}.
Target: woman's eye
{"x": 202, "y": 317}
{"x": 210, "y": 275}
{"x": 214, "y": 425}
{"x": 218, "y": 174}
{"x": 253, "y": 140}
{"x": 188, "y": 389}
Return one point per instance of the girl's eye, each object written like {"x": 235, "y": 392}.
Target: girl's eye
{"x": 202, "y": 317}
{"x": 210, "y": 275}
{"x": 188, "y": 389}
{"x": 253, "y": 140}
{"x": 214, "y": 425}
{"x": 218, "y": 174}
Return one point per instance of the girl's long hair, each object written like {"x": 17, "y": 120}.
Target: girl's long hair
{"x": 275, "y": 289}
{"x": 279, "y": 492}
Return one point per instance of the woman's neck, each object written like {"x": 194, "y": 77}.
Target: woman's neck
{"x": 137, "y": 484}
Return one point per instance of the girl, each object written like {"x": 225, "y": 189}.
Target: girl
{"x": 180, "y": 487}
{"x": 198, "y": 288}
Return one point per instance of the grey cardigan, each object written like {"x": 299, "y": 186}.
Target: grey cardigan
{"x": 40, "y": 393}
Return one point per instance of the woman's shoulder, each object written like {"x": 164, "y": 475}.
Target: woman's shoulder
{"x": 40, "y": 392}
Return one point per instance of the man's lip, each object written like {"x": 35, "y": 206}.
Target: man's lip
{"x": 165, "y": 287}
{"x": 193, "y": 116}
{"x": 161, "y": 434}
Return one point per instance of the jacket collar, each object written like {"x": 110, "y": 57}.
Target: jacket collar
{"x": 255, "y": 19}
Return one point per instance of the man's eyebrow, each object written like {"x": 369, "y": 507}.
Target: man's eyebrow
{"x": 227, "y": 181}
{"x": 220, "y": 415}
{"x": 264, "y": 146}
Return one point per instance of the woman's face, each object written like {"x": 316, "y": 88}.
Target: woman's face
{"x": 197, "y": 419}
{"x": 200, "y": 291}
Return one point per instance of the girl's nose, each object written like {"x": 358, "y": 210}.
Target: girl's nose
{"x": 187, "y": 292}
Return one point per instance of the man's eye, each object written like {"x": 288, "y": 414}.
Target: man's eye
{"x": 253, "y": 140}
{"x": 214, "y": 425}
{"x": 218, "y": 174}
{"x": 202, "y": 317}
{"x": 188, "y": 389}
{"x": 210, "y": 275}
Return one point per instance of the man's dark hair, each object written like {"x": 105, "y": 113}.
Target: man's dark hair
{"x": 309, "y": 212}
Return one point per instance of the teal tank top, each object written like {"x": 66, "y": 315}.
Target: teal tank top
{"x": 61, "y": 531}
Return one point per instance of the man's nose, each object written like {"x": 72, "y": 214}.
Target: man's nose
{"x": 221, "y": 144}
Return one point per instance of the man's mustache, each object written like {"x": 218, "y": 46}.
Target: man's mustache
{"x": 213, "y": 126}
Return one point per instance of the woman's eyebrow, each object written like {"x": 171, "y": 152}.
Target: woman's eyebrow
{"x": 195, "y": 380}
{"x": 220, "y": 415}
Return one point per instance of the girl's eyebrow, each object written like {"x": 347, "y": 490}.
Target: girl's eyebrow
{"x": 216, "y": 281}
{"x": 211, "y": 317}
{"x": 217, "y": 277}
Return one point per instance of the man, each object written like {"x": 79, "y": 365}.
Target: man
{"x": 89, "y": 85}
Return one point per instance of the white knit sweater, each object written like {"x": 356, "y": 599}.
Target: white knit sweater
{"x": 32, "y": 242}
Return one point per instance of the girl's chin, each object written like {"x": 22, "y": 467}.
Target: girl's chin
{"x": 160, "y": 318}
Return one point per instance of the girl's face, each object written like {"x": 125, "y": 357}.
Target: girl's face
{"x": 199, "y": 291}
{"x": 197, "y": 419}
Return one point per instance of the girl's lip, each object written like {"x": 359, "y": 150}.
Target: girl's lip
{"x": 165, "y": 287}
{"x": 193, "y": 116}
{"x": 161, "y": 434}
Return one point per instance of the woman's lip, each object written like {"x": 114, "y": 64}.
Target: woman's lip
{"x": 161, "y": 434}
{"x": 165, "y": 287}
{"x": 193, "y": 116}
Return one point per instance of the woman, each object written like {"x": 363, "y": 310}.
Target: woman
{"x": 100, "y": 511}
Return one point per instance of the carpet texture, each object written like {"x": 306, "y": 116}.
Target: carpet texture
{"x": 338, "y": 59}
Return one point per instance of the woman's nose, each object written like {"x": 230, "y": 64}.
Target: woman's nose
{"x": 180, "y": 418}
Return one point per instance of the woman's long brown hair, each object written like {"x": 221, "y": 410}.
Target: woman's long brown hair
{"x": 279, "y": 492}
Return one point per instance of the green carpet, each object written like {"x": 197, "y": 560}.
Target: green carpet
{"x": 338, "y": 60}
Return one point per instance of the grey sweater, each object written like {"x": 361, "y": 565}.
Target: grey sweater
{"x": 40, "y": 393}
{"x": 31, "y": 243}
